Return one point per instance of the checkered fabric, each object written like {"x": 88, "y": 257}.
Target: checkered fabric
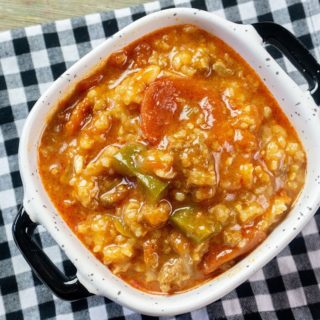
{"x": 30, "y": 60}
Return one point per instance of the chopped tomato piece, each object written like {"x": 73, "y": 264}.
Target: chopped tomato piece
{"x": 158, "y": 109}
{"x": 159, "y": 106}
{"x": 118, "y": 59}
{"x": 78, "y": 115}
{"x": 221, "y": 254}
{"x": 89, "y": 82}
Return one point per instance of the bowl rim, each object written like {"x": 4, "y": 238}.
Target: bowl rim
{"x": 34, "y": 197}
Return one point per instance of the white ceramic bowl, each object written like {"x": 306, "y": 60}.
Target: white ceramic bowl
{"x": 298, "y": 106}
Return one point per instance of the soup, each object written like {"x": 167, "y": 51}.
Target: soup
{"x": 172, "y": 161}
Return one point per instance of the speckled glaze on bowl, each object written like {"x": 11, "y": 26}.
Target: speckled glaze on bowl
{"x": 298, "y": 106}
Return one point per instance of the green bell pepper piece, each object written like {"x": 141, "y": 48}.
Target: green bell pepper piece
{"x": 121, "y": 227}
{"x": 125, "y": 159}
{"x": 197, "y": 228}
{"x": 125, "y": 163}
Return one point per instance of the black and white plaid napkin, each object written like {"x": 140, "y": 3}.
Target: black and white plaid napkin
{"x": 30, "y": 60}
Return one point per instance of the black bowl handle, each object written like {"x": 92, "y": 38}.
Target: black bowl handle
{"x": 66, "y": 288}
{"x": 295, "y": 51}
